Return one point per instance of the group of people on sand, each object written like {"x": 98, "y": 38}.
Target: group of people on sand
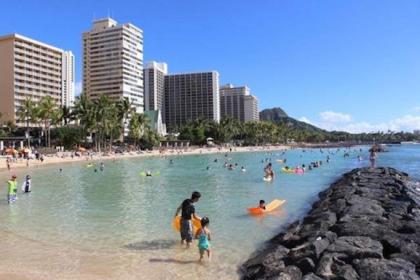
{"x": 203, "y": 234}
{"x": 12, "y": 187}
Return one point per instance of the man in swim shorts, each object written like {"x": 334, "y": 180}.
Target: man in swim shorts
{"x": 187, "y": 213}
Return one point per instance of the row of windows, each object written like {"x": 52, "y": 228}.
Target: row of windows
{"x": 36, "y": 78}
{"x": 27, "y": 46}
{"x": 29, "y": 63}
{"x": 31, "y": 71}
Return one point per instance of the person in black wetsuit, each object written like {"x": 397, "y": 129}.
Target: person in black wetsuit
{"x": 187, "y": 213}
{"x": 27, "y": 184}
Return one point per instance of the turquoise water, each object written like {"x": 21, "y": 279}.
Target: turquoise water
{"x": 119, "y": 215}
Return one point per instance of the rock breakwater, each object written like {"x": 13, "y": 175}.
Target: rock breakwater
{"x": 365, "y": 226}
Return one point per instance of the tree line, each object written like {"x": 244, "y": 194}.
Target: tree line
{"x": 103, "y": 122}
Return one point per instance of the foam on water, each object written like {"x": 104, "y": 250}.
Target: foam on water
{"x": 117, "y": 225}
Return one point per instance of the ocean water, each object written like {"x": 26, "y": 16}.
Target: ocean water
{"x": 116, "y": 224}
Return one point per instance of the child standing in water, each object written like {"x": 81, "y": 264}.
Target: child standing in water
{"x": 11, "y": 189}
{"x": 203, "y": 235}
{"x": 27, "y": 184}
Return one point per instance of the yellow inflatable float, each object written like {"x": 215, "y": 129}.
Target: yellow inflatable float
{"x": 176, "y": 223}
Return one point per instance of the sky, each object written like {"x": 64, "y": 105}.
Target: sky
{"x": 347, "y": 65}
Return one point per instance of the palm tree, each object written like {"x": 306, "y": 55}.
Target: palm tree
{"x": 227, "y": 129}
{"x": 125, "y": 109}
{"x": 47, "y": 111}
{"x": 67, "y": 115}
{"x": 11, "y": 127}
{"x": 139, "y": 125}
{"x": 27, "y": 114}
{"x": 84, "y": 111}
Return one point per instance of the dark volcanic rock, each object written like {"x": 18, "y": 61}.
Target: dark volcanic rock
{"x": 311, "y": 276}
{"x": 365, "y": 226}
{"x": 383, "y": 269}
{"x": 357, "y": 247}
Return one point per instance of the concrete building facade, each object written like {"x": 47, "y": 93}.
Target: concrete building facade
{"x": 30, "y": 69}
{"x": 113, "y": 62}
{"x": 154, "y": 86}
{"x": 238, "y": 103}
{"x": 68, "y": 80}
{"x": 190, "y": 96}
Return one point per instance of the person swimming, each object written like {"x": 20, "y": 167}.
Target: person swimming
{"x": 243, "y": 169}
{"x": 102, "y": 166}
{"x": 269, "y": 172}
{"x": 262, "y": 204}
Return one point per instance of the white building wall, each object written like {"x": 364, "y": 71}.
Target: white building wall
{"x": 113, "y": 62}
{"x": 216, "y": 96}
{"x": 68, "y": 80}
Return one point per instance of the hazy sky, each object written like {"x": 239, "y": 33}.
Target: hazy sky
{"x": 352, "y": 65}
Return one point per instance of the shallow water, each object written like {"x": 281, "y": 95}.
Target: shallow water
{"x": 117, "y": 225}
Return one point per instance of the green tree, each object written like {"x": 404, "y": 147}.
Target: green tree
{"x": 27, "y": 114}
{"x": 139, "y": 124}
{"x": 47, "y": 113}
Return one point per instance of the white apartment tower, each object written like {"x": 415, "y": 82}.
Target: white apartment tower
{"x": 32, "y": 69}
{"x": 113, "y": 62}
{"x": 154, "y": 86}
{"x": 67, "y": 96}
{"x": 238, "y": 103}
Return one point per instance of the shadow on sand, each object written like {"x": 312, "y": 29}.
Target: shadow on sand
{"x": 151, "y": 245}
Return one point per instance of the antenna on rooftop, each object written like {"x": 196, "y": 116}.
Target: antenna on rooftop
{"x": 108, "y": 13}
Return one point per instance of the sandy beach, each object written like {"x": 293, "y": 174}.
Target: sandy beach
{"x": 65, "y": 157}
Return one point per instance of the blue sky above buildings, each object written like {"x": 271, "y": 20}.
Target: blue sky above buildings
{"x": 352, "y": 65}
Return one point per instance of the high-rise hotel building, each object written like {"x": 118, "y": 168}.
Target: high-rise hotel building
{"x": 68, "y": 70}
{"x": 238, "y": 103}
{"x": 154, "y": 85}
{"x": 190, "y": 96}
{"x": 31, "y": 69}
{"x": 113, "y": 62}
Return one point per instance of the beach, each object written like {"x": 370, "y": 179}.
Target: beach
{"x": 65, "y": 157}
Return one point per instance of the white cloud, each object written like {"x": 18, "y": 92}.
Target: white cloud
{"x": 305, "y": 119}
{"x": 334, "y": 117}
{"x": 404, "y": 123}
{"x": 78, "y": 88}
{"x": 415, "y": 109}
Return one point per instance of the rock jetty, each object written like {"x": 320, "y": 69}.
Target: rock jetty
{"x": 365, "y": 226}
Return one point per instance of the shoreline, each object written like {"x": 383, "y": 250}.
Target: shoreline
{"x": 366, "y": 225}
{"x": 59, "y": 159}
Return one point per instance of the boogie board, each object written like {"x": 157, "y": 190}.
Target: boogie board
{"x": 273, "y": 205}
{"x": 290, "y": 170}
